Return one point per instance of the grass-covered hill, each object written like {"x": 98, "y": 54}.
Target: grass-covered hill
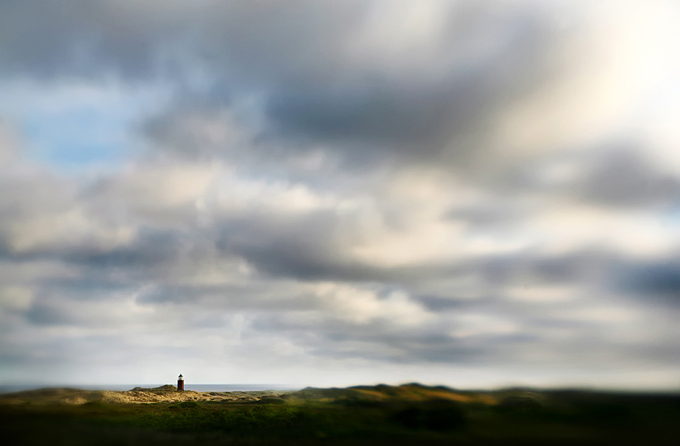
{"x": 382, "y": 414}
{"x": 384, "y": 393}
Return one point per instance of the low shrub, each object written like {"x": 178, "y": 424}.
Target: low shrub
{"x": 436, "y": 416}
{"x": 188, "y": 405}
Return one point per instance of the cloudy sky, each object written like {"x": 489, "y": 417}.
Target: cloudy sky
{"x": 470, "y": 193}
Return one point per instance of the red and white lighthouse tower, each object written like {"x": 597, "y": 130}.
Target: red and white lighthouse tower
{"x": 180, "y": 383}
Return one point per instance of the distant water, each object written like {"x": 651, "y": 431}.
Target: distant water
{"x": 187, "y": 386}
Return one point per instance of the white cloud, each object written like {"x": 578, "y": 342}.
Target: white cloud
{"x": 362, "y": 306}
{"x": 16, "y": 298}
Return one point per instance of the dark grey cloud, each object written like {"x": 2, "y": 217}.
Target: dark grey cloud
{"x": 339, "y": 339}
{"x": 625, "y": 178}
{"x": 314, "y": 246}
{"x": 73, "y": 38}
{"x": 445, "y": 302}
{"x": 151, "y": 247}
{"x": 656, "y": 281}
{"x": 146, "y": 39}
{"x": 53, "y": 313}
{"x": 432, "y": 114}
{"x": 297, "y": 59}
{"x": 306, "y": 248}
{"x": 384, "y": 116}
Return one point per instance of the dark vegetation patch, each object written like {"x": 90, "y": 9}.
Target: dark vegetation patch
{"x": 437, "y": 415}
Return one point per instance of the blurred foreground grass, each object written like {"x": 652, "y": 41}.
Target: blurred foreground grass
{"x": 361, "y": 415}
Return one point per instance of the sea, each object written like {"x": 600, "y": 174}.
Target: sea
{"x": 187, "y": 386}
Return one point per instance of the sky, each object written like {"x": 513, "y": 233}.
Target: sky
{"x": 469, "y": 193}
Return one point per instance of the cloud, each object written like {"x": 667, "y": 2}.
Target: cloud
{"x": 357, "y": 189}
{"x": 364, "y": 82}
{"x": 8, "y": 144}
{"x": 624, "y": 178}
{"x": 15, "y": 298}
{"x": 651, "y": 281}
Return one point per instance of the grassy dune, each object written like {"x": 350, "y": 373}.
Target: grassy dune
{"x": 138, "y": 395}
{"x": 408, "y": 414}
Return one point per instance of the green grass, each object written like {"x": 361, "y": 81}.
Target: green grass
{"x": 354, "y": 417}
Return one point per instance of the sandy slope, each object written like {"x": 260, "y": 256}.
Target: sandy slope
{"x": 413, "y": 392}
{"x": 78, "y": 396}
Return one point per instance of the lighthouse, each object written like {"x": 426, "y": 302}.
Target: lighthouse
{"x": 180, "y": 383}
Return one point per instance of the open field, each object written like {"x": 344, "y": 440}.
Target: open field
{"x": 407, "y": 414}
